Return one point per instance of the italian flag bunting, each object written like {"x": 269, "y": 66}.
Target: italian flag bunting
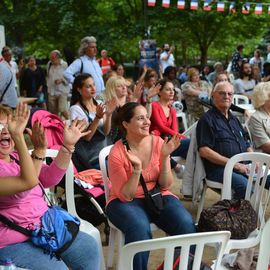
{"x": 232, "y": 8}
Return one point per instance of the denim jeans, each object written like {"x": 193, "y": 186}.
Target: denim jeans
{"x": 132, "y": 219}
{"x": 81, "y": 255}
{"x": 239, "y": 181}
{"x": 181, "y": 151}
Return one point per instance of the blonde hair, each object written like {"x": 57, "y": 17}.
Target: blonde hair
{"x": 111, "y": 85}
{"x": 260, "y": 94}
{"x": 191, "y": 72}
{"x": 5, "y": 111}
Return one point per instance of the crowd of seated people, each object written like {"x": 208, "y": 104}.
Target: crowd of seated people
{"x": 141, "y": 113}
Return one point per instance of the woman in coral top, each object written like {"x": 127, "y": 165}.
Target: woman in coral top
{"x": 150, "y": 156}
{"x": 164, "y": 122}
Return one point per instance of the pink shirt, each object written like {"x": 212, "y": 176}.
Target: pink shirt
{"x": 120, "y": 170}
{"x": 25, "y": 208}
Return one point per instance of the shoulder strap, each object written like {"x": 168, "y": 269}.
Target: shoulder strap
{"x": 81, "y": 70}
{"x": 87, "y": 115}
{"x": 142, "y": 182}
{"x": 48, "y": 70}
{"x": 2, "y": 96}
{"x": 15, "y": 226}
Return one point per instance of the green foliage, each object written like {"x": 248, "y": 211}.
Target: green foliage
{"x": 38, "y": 26}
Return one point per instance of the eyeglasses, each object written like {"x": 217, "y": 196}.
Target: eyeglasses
{"x": 2, "y": 126}
{"x": 224, "y": 94}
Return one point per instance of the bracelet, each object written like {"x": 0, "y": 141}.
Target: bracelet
{"x": 67, "y": 150}
{"x": 37, "y": 158}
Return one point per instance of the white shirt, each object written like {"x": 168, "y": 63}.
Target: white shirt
{"x": 10, "y": 98}
{"x": 244, "y": 87}
{"x": 168, "y": 62}
{"x": 56, "y": 72}
{"x": 91, "y": 66}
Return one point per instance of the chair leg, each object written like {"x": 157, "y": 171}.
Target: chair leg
{"x": 121, "y": 242}
{"x": 112, "y": 236}
{"x": 201, "y": 203}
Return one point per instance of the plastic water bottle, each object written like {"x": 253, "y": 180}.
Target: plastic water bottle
{"x": 8, "y": 265}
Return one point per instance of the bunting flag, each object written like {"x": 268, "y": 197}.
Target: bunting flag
{"x": 258, "y": 9}
{"x": 151, "y": 3}
{"x": 220, "y": 6}
{"x": 181, "y": 4}
{"x": 194, "y": 5}
{"x": 232, "y": 8}
{"x": 207, "y": 5}
{"x": 166, "y": 3}
{"x": 245, "y": 8}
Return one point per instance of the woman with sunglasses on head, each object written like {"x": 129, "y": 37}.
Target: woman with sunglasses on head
{"x": 26, "y": 208}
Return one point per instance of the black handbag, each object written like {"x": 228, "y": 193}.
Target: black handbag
{"x": 236, "y": 216}
{"x": 154, "y": 203}
{"x": 86, "y": 152}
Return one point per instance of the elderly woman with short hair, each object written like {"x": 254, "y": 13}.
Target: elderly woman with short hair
{"x": 191, "y": 91}
{"x": 259, "y": 123}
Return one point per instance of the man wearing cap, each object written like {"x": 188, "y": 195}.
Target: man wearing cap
{"x": 86, "y": 63}
{"x": 218, "y": 68}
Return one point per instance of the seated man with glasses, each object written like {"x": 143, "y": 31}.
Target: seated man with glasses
{"x": 220, "y": 136}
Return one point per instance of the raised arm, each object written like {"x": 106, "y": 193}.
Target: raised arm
{"x": 28, "y": 177}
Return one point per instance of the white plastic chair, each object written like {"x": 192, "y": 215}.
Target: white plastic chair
{"x": 207, "y": 184}
{"x": 240, "y": 99}
{"x": 264, "y": 254}
{"x": 168, "y": 244}
{"x": 255, "y": 193}
{"x": 69, "y": 190}
{"x": 115, "y": 233}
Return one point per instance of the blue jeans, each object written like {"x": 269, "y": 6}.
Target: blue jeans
{"x": 239, "y": 181}
{"x": 132, "y": 219}
{"x": 181, "y": 151}
{"x": 81, "y": 255}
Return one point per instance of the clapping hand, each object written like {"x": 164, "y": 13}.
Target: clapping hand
{"x": 18, "y": 121}
{"x": 170, "y": 145}
{"x": 154, "y": 90}
{"x": 135, "y": 161}
{"x": 111, "y": 105}
{"x": 74, "y": 132}
{"x": 100, "y": 111}
{"x": 138, "y": 89}
{"x": 37, "y": 136}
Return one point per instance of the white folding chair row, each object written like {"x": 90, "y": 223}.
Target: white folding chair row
{"x": 168, "y": 245}
{"x": 115, "y": 233}
{"x": 69, "y": 190}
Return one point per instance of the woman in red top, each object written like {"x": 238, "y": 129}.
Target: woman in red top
{"x": 164, "y": 122}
